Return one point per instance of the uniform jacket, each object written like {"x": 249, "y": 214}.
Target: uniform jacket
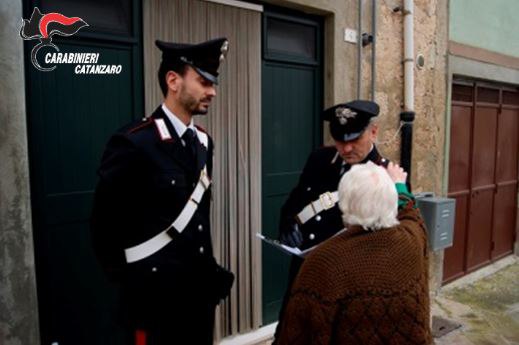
{"x": 321, "y": 174}
{"x": 144, "y": 183}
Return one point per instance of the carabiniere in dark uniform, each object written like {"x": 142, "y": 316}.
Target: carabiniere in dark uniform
{"x": 150, "y": 221}
{"x": 311, "y": 214}
{"x": 320, "y": 177}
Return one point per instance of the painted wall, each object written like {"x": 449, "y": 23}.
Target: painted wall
{"x": 18, "y": 304}
{"x": 490, "y": 25}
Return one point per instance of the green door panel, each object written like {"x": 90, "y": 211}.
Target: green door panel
{"x": 78, "y": 113}
{"x": 291, "y": 129}
{"x": 70, "y": 118}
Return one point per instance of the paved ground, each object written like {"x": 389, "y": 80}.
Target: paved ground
{"x": 488, "y": 310}
{"x": 486, "y": 304}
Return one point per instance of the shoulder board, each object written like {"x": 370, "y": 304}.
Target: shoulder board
{"x": 145, "y": 123}
{"x": 203, "y": 137}
{"x": 162, "y": 130}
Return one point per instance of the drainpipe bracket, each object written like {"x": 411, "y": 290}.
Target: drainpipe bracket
{"x": 366, "y": 39}
{"x": 407, "y": 116}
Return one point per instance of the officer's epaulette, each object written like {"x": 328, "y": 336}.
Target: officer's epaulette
{"x": 146, "y": 121}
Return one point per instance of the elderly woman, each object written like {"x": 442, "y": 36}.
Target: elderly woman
{"x": 368, "y": 284}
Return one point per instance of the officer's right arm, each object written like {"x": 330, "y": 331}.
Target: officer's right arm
{"x": 289, "y": 233}
{"x": 113, "y": 202}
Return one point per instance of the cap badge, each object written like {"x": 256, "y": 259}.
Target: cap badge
{"x": 185, "y": 60}
{"x": 343, "y": 114}
{"x": 224, "y": 48}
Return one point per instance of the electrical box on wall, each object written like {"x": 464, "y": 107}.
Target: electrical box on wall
{"x": 350, "y": 35}
{"x": 439, "y": 215}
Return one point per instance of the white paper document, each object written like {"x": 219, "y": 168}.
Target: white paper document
{"x": 284, "y": 248}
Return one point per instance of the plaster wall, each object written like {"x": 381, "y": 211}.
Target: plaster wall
{"x": 490, "y": 25}
{"x": 18, "y": 304}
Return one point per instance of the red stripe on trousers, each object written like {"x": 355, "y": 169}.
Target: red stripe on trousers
{"x": 140, "y": 337}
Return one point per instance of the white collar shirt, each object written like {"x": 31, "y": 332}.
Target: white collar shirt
{"x": 179, "y": 126}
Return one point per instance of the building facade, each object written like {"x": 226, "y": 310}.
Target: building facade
{"x": 288, "y": 60}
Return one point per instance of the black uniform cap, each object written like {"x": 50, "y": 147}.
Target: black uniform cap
{"x": 349, "y": 120}
{"x": 204, "y": 57}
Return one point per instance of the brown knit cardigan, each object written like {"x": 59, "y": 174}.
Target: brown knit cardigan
{"x": 363, "y": 287}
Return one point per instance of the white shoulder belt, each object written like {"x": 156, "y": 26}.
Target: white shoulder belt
{"x": 160, "y": 240}
{"x": 326, "y": 201}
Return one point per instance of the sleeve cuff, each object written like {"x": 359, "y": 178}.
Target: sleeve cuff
{"x": 405, "y": 197}
{"x": 401, "y": 188}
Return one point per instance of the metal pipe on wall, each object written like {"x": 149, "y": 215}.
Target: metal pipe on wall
{"x": 359, "y": 50}
{"x": 408, "y": 115}
{"x": 408, "y": 56}
{"x": 373, "y": 47}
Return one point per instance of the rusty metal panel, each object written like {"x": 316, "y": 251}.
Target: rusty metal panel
{"x": 454, "y": 257}
{"x": 484, "y": 146}
{"x": 505, "y": 208}
{"x": 483, "y": 175}
{"x": 488, "y": 95}
{"x": 504, "y": 219}
{"x": 479, "y": 236}
{"x": 459, "y": 165}
{"x": 459, "y": 178}
{"x": 507, "y": 146}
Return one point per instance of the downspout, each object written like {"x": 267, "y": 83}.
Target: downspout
{"x": 359, "y": 50}
{"x": 373, "y": 47}
{"x": 408, "y": 115}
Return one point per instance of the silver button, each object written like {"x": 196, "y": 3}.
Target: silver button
{"x": 308, "y": 189}
{"x": 201, "y": 250}
{"x": 318, "y": 218}
{"x": 154, "y": 269}
{"x": 200, "y": 227}
{"x": 312, "y": 236}
{"x": 173, "y": 182}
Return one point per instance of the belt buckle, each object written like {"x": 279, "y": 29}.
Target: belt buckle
{"x": 326, "y": 200}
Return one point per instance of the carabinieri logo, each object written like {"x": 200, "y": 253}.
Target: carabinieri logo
{"x": 43, "y": 27}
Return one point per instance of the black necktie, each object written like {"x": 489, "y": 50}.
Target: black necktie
{"x": 189, "y": 139}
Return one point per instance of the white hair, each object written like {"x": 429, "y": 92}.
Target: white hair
{"x": 368, "y": 197}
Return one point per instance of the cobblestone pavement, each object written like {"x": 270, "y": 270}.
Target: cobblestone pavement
{"x": 487, "y": 309}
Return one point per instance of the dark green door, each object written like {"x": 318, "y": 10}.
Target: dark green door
{"x": 70, "y": 118}
{"x": 291, "y": 129}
